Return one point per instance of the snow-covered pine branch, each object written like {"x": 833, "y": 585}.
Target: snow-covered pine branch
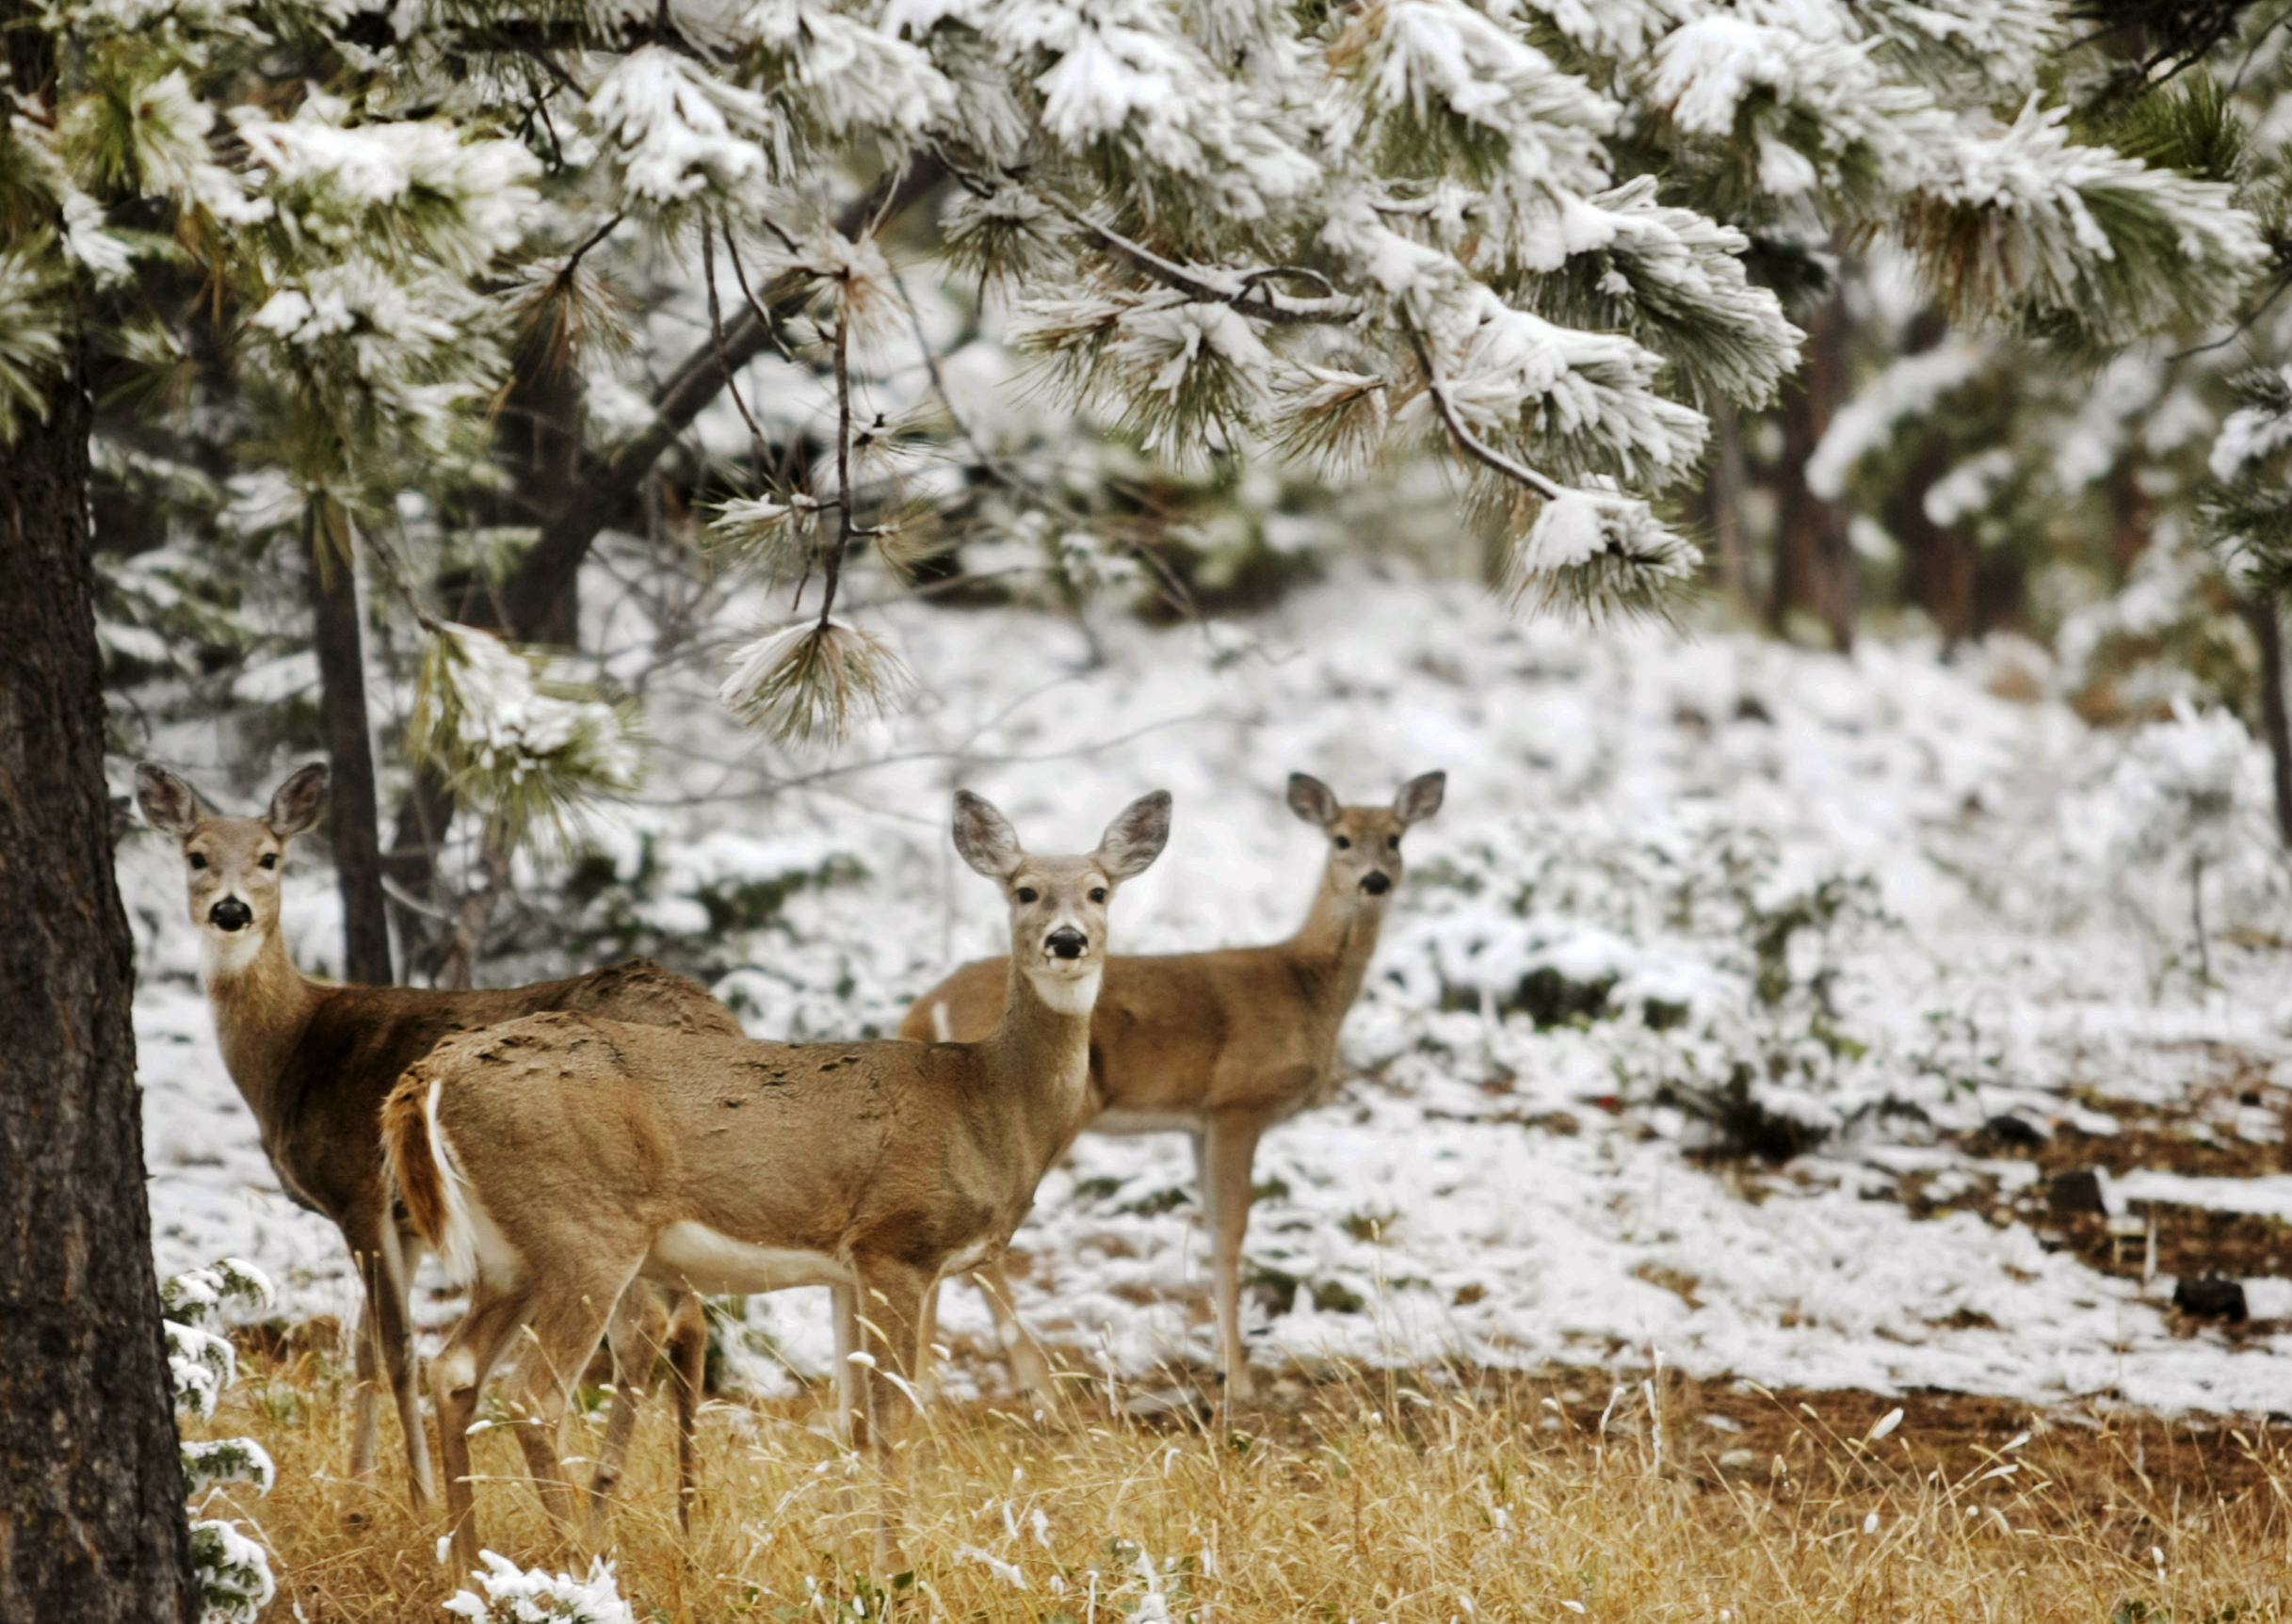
{"x": 233, "y": 1571}
{"x": 528, "y": 747}
{"x": 1513, "y": 233}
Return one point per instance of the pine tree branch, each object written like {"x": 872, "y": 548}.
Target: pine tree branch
{"x": 605, "y": 485}
{"x": 1245, "y": 291}
{"x": 833, "y": 568}
{"x": 1469, "y": 442}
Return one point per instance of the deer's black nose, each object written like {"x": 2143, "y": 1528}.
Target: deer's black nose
{"x": 1376, "y": 883}
{"x": 1067, "y": 943}
{"x": 230, "y": 914}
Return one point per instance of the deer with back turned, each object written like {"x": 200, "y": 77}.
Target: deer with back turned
{"x": 1219, "y": 1045}
{"x": 556, "y": 1161}
{"x": 314, "y": 1060}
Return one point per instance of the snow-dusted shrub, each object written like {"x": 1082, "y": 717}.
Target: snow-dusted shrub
{"x": 514, "y": 1595}
{"x": 233, "y": 1573}
{"x": 2182, "y": 824}
{"x": 1705, "y": 973}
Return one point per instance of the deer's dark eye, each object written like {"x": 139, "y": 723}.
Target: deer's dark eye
{"x": 1027, "y": 894}
{"x": 1344, "y": 844}
{"x": 198, "y": 860}
{"x": 1098, "y": 894}
{"x": 270, "y": 860}
{"x": 1392, "y": 841}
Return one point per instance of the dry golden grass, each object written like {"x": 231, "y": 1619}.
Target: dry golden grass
{"x": 1370, "y": 1498}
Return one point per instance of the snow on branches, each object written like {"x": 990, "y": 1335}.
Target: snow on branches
{"x": 1512, "y": 231}
{"x": 527, "y": 749}
{"x": 232, "y": 1570}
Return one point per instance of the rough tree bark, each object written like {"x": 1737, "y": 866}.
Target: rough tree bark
{"x": 355, "y": 822}
{"x": 92, "y": 1527}
{"x": 1814, "y": 567}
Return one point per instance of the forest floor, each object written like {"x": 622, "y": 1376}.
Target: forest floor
{"x": 1869, "y": 1031}
{"x": 1407, "y": 1497}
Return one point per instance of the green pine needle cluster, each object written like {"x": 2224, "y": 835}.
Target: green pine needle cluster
{"x": 814, "y": 682}
{"x": 529, "y": 750}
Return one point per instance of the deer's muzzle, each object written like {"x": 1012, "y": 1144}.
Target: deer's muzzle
{"x": 230, "y": 914}
{"x": 1066, "y": 942}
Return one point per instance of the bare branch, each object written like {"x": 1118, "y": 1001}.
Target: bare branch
{"x": 833, "y": 566}
{"x": 716, "y": 328}
{"x": 606, "y": 484}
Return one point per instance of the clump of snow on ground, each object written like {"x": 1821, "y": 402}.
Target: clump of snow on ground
{"x": 1863, "y": 895}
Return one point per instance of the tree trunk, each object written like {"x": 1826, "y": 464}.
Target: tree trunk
{"x": 1723, "y": 489}
{"x": 1939, "y": 562}
{"x": 2261, "y": 614}
{"x": 92, "y": 1491}
{"x": 1813, "y": 566}
{"x": 356, "y": 829}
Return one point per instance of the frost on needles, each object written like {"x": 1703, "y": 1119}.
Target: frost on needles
{"x": 1510, "y": 236}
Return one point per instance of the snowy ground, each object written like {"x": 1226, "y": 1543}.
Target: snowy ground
{"x": 1632, "y": 811}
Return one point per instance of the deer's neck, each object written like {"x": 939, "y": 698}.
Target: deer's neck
{"x": 262, "y": 1003}
{"x": 1041, "y": 1055}
{"x": 1331, "y": 950}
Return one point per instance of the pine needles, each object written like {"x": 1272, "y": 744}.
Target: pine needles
{"x": 813, "y": 682}
{"x": 31, "y": 331}
{"x": 529, "y": 750}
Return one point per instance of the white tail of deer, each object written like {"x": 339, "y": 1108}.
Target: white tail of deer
{"x": 1219, "y": 1045}
{"x": 566, "y": 1156}
{"x": 315, "y": 1062}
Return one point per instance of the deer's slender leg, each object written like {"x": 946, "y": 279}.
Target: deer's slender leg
{"x": 1029, "y": 1369}
{"x": 457, "y": 1377}
{"x": 385, "y": 1346}
{"x": 637, "y": 1333}
{"x": 367, "y": 1400}
{"x": 394, "y": 1323}
{"x": 891, "y": 1296}
{"x": 1198, "y": 1142}
{"x": 1232, "y": 1147}
{"x": 688, "y": 1368}
{"x": 927, "y": 1355}
{"x": 850, "y": 1425}
{"x": 566, "y": 1325}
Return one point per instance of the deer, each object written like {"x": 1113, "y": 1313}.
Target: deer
{"x": 1221, "y": 1046}
{"x": 315, "y": 1060}
{"x": 553, "y": 1161}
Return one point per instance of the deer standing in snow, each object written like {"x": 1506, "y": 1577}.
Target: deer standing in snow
{"x": 553, "y": 1161}
{"x": 1218, "y": 1045}
{"x": 314, "y": 1061}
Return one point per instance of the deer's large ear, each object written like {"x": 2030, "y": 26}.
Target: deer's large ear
{"x": 169, "y": 804}
{"x": 1313, "y": 800}
{"x": 1420, "y": 797}
{"x": 1134, "y": 839}
{"x": 296, "y": 804}
{"x": 985, "y": 837}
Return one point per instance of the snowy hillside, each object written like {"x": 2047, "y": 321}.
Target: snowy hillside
{"x": 1681, "y": 891}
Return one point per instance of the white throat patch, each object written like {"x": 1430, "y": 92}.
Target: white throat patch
{"x": 225, "y": 954}
{"x": 1078, "y": 996}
